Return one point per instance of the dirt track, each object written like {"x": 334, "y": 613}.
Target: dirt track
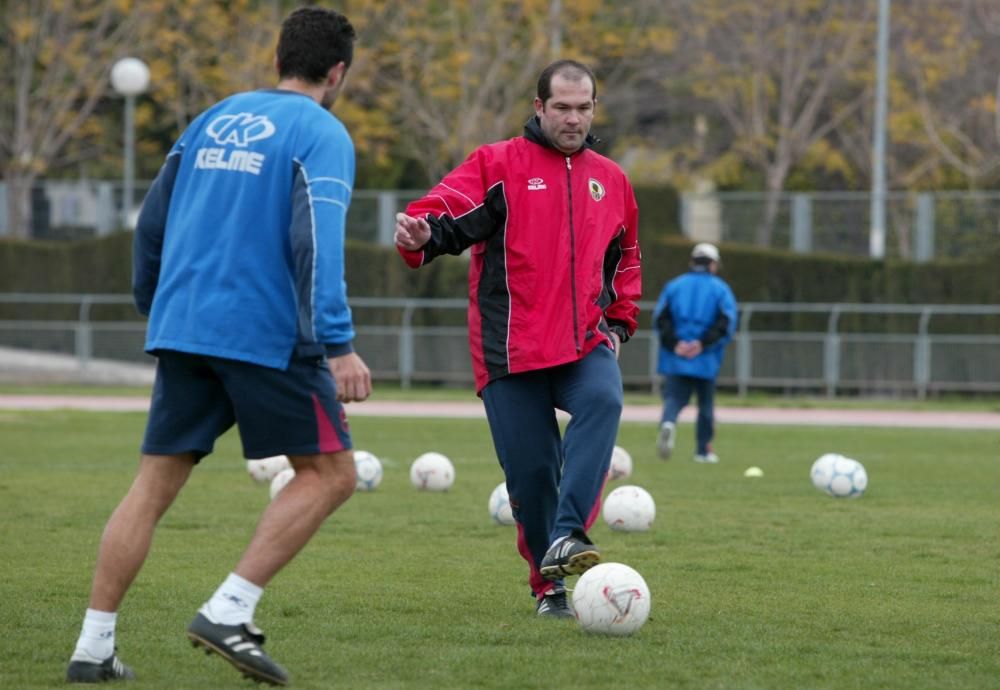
{"x": 632, "y": 413}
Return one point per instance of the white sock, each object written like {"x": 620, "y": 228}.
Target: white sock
{"x": 97, "y": 639}
{"x": 233, "y": 602}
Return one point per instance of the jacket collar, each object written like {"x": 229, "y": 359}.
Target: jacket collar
{"x": 533, "y": 133}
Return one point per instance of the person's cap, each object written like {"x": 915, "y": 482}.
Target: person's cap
{"x": 705, "y": 250}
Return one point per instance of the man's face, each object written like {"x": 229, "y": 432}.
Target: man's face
{"x": 566, "y": 116}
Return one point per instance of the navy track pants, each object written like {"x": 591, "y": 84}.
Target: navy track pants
{"x": 676, "y": 391}
{"x": 555, "y": 479}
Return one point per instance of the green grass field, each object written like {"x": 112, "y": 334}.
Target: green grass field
{"x": 756, "y": 583}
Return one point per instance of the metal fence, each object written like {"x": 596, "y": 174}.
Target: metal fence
{"x": 832, "y": 349}
{"x": 76, "y": 209}
{"x": 919, "y": 226}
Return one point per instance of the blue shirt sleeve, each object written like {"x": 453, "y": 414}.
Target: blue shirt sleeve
{"x": 147, "y": 244}
{"x": 321, "y": 196}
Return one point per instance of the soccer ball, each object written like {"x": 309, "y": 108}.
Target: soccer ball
{"x": 432, "y": 472}
{"x": 611, "y": 599}
{"x": 621, "y": 464}
{"x": 822, "y": 470}
{"x": 839, "y": 476}
{"x": 629, "y": 509}
{"x": 368, "y": 470}
{"x": 280, "y": 481}
{"x": 499, "y": 505}
{"x": 265, "y": 469}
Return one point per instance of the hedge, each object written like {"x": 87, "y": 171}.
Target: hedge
{"x": 103, "y": 265}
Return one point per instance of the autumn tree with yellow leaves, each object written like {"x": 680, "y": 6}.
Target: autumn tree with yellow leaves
{"x": 785, "y": 87}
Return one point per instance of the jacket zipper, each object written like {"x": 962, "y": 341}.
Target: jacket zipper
{"x": 572, "y": 253}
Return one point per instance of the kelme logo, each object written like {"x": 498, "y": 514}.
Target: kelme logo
{"x": 241, "y": 129}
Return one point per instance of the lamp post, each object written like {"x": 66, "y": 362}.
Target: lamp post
{"x": 129, "y": 77}
{"x": 876, "y": 238}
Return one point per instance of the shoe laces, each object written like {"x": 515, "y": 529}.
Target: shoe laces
{"x": 254, "y": 633}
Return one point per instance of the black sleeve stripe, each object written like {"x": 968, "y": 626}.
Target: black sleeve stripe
{"x": 453, "y": 235}
{"x": 493, "y": 294}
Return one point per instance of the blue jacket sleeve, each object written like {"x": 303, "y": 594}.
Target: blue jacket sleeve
{"x": 663, "y": 320}
{"x": 147, "y": 244}
{"x": 730, "y": 308}
{"x": 722, "y": 330}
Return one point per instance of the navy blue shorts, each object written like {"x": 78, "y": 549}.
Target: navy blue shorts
{"x": 197, "y": 398}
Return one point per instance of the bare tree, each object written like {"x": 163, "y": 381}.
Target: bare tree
{"x": 57, "y": 57}
{"x": 210, "y": 51}
{"x": 779, "y": 74}
{"x": 955, "y": 74}
{"x": 456, "y": 77}
{"x": 631, "y": 50}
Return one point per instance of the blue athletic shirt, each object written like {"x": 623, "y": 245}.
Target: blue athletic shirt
{"x": 239, "y": 246}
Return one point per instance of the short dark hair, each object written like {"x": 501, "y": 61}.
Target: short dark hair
{"x": 570, "y": 69}
{"x": 312, "y": 41}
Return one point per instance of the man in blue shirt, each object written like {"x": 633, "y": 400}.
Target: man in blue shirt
{"x": 695, "y": 317}
{"x": 239, "y": 263}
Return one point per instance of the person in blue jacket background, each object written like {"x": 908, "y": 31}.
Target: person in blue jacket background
{"x": 238, "y": 260}
{"x": 695, "y": 317}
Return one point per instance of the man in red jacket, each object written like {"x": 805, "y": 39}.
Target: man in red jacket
{"x": 553, "y": 283}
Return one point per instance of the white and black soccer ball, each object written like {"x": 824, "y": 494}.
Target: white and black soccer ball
{"x": 265, "y": 469}
{"x": 611, "y": 599}
{"x": 499, "y": 505}
{"x": 368, "y": 470}
{"x": 280, "y": 481}
{"x": 432, "y": 472}
{"x": 621, "y": 464}
{"x": 839, "y": 476}
{"x": 629, "y": 509}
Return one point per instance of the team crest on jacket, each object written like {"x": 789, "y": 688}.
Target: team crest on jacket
{"x": 596, "y": 189}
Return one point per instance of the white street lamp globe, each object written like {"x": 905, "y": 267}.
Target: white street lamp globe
{"x": 130, "y": 76}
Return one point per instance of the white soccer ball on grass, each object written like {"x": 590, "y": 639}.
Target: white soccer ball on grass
{"x": 611, "y": 599}
{"x": 280, "y": 481}
{"x": 432, "y": 472}
{"x": 621, "y": 464}
{"x": 368, "y": 470}
{"x": 499, "y": 505}
{"x": 839, "y": 476}
{"x": 629, "y": 509}
{"x": 265, "y": 469}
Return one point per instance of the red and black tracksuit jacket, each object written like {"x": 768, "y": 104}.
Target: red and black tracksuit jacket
{"x": 555, "y": 253}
